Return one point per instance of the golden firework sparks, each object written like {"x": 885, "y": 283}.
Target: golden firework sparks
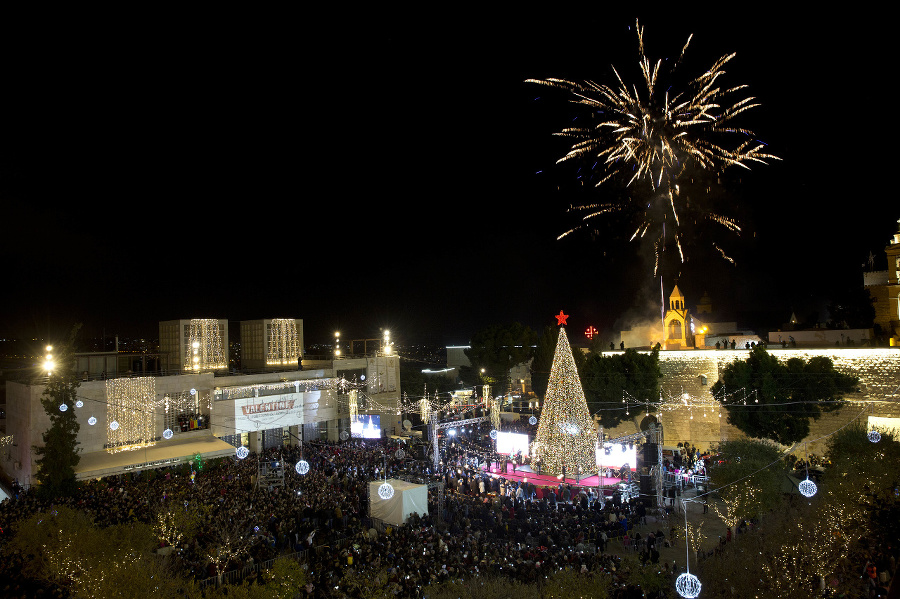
{"x": 653, "y": 135}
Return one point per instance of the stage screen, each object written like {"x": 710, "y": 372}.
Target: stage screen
{"x": 512, "y": 443}
{"x": 617, "y": 456}
{"x": 366, "y": 426}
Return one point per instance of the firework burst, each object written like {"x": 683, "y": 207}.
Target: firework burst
{"x": 652, "y": 140}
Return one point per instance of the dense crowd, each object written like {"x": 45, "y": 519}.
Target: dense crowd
{"x": 480, "y": 523}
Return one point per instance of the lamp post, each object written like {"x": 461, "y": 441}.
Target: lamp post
{"x": 337, "y": 344}
{"x": 49, "y": 364}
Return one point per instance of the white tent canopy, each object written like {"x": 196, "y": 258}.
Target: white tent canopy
{"x": 408, "y": 498}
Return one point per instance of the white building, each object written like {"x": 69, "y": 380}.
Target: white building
{"x": 136, "y": 422}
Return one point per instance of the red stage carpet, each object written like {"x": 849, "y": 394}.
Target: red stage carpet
{"x": 543, "y": 480}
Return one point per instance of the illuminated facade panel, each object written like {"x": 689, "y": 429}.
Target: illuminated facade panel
{"x": 195, "y": 345}
{"x": 271, "y": 343}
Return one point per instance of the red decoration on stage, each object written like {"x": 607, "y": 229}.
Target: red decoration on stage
{"x": 561, "y": 318}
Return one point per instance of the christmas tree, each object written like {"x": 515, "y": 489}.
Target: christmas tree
{"x": 566, "y": 437}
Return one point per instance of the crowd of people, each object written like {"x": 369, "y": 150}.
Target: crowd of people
{"x": 514, "y": 529}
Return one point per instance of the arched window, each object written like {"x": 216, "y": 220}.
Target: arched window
{"x": 675, "y": 329}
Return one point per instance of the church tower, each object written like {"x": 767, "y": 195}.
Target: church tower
{"x": 676, "y": 322}
{"x": 884, "y": 290}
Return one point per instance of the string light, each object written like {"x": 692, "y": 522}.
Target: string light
{"x": 207, "y": 351}
{"x": 283, "y": 342}
{"x": 129, "y": 407}
{"x": 565, "y": 437}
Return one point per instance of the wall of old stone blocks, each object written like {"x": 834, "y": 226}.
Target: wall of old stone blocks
{"x": 689, "y": 412}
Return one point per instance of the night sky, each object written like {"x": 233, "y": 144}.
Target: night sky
{"x": 396, "y": 171}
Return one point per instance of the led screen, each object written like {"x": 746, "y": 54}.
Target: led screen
{"x": 366, "y": 426}
{"x": 512, "y": 443}
{"x": 617, "y": 456}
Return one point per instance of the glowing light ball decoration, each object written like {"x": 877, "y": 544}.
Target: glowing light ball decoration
{"x": 874, "y": 436}
{"x": 167, "y": 434}
{"x": 532, "y": 421}
{"x": 114, "y": 425}
{"x": 386, "y": 491}
{"x": 242, "y": 452}
{"x": 807, "y": 488}
{"x": 63, "y": 407}
{"x": 494, "y": 434}
{"x": 79, "y": 403}
{"x": 302, "y": 467}
{"x": 400, "y": 454}
{"x": 688, "y": 585}
{"x": 92, "y": 421}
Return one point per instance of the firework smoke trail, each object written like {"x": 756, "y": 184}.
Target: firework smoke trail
{"x": 651, "y": 137}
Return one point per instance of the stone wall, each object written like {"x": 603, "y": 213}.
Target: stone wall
{"x": 690, "y": 413}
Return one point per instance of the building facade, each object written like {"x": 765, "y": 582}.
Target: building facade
{"x": 884, "y": 289}
{"x": 130, "y": 423}
{"x": 272, "y": 343}
{"x": 195, "y": 345}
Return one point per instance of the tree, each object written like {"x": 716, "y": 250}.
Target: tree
{"x": 542, "y": 360}
{"x": 747, "y": 479}
{"x": 607, "y": 378}
{"x": 496, "y": 350}
{"x": 565, "y": 436}
{"x": 781, "y": 397}
{"x": 58, "y": 457}
{"x": 826, "y": 538}
{"x": 65, "y": 548}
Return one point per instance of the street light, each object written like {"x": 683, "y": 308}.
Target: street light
{"x": 49, "y": 364}
{"x": 387, "y": 347}
{"x": 337, "y": 344}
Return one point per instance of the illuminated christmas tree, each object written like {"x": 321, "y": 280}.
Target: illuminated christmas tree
{"x": 566, "y": 438}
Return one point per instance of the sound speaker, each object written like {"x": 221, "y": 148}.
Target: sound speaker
{"x": 647, "y": 487}
{"x": 651, "y": 454}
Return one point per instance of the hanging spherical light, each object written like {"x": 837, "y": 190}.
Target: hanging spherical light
{"x": 532, "y": 421}
{"x": 79, "y": 403}
{"x": 494, "y": 434}
{"x": 807, "y": 487}
{"x": 687, "y": 585}
{"x": 242, "y": 452}
{"x": 92, "y": 421}
{"x": 63, "y": 407}
{"x": 386, "y": 491}
{"x": 874, "y": 436}
{"x": 167, "y": 434}
{"x": 302, "y": 467}
{"x": 114, "y": 425}
{"x": 400, "y": 454}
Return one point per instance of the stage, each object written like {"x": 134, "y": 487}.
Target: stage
{"x": 521, "y": 473}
